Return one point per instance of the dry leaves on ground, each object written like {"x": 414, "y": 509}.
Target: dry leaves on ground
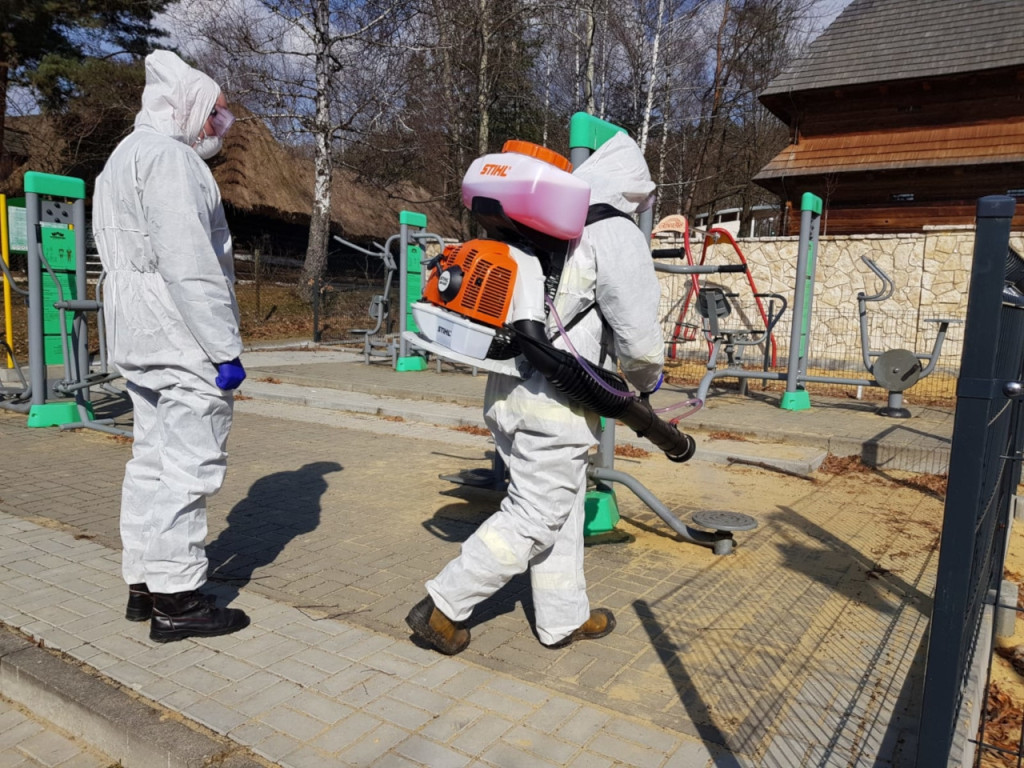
{"x": 631, "y": 452}
{"x": 1003, "y": 722}
{"x": 471, "y": 430}
{"x": 843, "y": 465}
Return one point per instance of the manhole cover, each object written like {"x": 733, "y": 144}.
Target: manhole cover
{"x": 724, "y": 520}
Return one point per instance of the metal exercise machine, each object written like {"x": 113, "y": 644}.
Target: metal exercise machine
{"x": 58, "y": 309}
{"x": 894, "y": 370}
{"x": 381, "y": 341}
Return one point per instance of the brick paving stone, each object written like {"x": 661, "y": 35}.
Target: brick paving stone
{"x": 216, "y": 716}
{"x": 327, "y": 711}
{"x": 293, "y": 722}
{"x": 346, "y": 732}
{"x": 268, "y": 698}
{"x": 26, "y": 740}
{"x": 691, "y": 755}
{"x": 322, "y": 660}
{"x": 681, "y": 659}
{"x": 581, "y": 727}
{"x": 368, "y": 747}
{"x": 487, "y": 698}
{"x": 276, "y": 747}
{"x": 424, "y": 698}
{"x": 426, "y": 752}
{"x": 398, "y": 712}
{"x": 541, "y": 744}
{"x": 508, "y": 756}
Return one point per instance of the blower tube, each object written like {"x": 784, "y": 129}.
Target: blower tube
{"x": 568, "y": 377}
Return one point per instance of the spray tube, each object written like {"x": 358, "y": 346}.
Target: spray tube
{"x": 569, "y": 377}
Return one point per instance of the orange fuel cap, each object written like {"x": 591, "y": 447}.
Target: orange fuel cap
{"x": 539, "y": 152}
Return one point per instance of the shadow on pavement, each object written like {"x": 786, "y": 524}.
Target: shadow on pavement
{"x": 277, "y": 509}
{"x": 698, "y": 710}
{"x": 880, "y": 664}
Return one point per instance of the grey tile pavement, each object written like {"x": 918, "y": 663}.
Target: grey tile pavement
{"x": 28, "y": 741}
{"x": 331, "y": 520}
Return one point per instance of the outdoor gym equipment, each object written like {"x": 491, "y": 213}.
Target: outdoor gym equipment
{"x": 712, "y": 302}
{"x": 894, "y": 370}
{"x": 58, "y": 308}
{"x": 381, "y": 340}
{"x": 378, "y": 340}
{"x": 495, "y": 283}
{"x": 686, "y": 331}
{"x": 6, "y": 390}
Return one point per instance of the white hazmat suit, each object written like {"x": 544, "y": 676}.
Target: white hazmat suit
{"x": 544, "y": 439}
{"x": 171, "y": 316}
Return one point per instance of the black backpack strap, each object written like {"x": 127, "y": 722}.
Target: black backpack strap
{"x": 595, "y": 213}
{"x": 601, "y": 211}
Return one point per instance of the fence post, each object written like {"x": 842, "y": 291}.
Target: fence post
{"x": 965, "y": 557}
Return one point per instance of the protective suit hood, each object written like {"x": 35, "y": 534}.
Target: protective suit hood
{"x": 617, "y": 174}
{"x": 177, "y": 99}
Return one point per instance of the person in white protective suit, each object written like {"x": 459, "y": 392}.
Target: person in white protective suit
{"x": 172, "y": 332}
{"x": 610, "y": 289}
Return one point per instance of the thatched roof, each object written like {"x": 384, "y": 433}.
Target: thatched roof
{"x": 259, "y": 176}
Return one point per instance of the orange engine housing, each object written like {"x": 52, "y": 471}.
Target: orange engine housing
{"x": 474, "y": 279}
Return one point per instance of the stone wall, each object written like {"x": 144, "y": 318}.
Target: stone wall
{"x": 930, "y": 272}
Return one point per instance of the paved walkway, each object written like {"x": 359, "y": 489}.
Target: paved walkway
{"x": 803, "y": 648}
{"x": 26, "y": 741}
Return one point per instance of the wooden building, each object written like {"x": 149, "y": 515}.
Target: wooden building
{"x": 902, "y": 114}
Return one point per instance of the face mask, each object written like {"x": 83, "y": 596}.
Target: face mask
{"x": 208, "y": 146}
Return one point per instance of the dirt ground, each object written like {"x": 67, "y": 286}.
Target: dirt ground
{"x": 1004, "y": 715}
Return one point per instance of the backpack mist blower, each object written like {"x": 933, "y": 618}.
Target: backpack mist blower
{"x": 485, "y": 302}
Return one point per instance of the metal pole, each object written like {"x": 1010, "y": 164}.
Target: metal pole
{"x": 79, "y": 327}
{"x": 36, "y": 350}
{"x": 5, "y": 254}
{"x": 795, "y": 397}
{"x": 403, "y": 294}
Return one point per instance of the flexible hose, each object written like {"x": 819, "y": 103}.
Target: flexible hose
{"x": 615, "y": 401}
{"x": 694, "y": 404}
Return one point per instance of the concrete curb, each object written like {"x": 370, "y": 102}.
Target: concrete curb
{"x": 800, "y": 459}
{"x": 101, "y": 714}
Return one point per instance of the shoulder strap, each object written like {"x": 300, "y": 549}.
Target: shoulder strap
{"x": 601, "y": 211}
{"x": 595, "y": 213}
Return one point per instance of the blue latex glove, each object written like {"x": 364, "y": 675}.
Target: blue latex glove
{"x": 229, "y": 374}
{"x": 661, "y": 380}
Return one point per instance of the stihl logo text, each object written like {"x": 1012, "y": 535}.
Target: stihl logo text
{"x": 494, "y": 170}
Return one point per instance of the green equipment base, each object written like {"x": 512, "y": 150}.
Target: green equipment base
{"x": 411, "y": 363}
{"x": 795, "y": 401}
{"x": 601, "y": 512}
{"x": 55, "y": 414}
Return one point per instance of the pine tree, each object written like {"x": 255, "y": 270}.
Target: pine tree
{"x": 44, "y": 44}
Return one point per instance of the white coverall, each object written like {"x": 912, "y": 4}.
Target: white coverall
{"x": 542, "y": 438}
{"x": 171, "y": 314}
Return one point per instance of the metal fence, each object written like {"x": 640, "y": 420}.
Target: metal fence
{"x": 273, "y": 307}
{"x": 835, "y": 350}
{"x": 985, "y": 469}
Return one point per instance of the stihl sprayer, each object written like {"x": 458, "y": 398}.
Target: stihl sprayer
{"x": 487, "y": 302}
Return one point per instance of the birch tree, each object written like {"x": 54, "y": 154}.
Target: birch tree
{"x": 317, "y": 69}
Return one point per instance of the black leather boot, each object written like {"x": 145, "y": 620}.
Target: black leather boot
{"x": 140, "y": 603}
{"x": 192, "y": 614}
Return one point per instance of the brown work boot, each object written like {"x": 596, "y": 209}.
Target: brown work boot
{"x": 600, "y": 623}
{"x": 433, "y": 627}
